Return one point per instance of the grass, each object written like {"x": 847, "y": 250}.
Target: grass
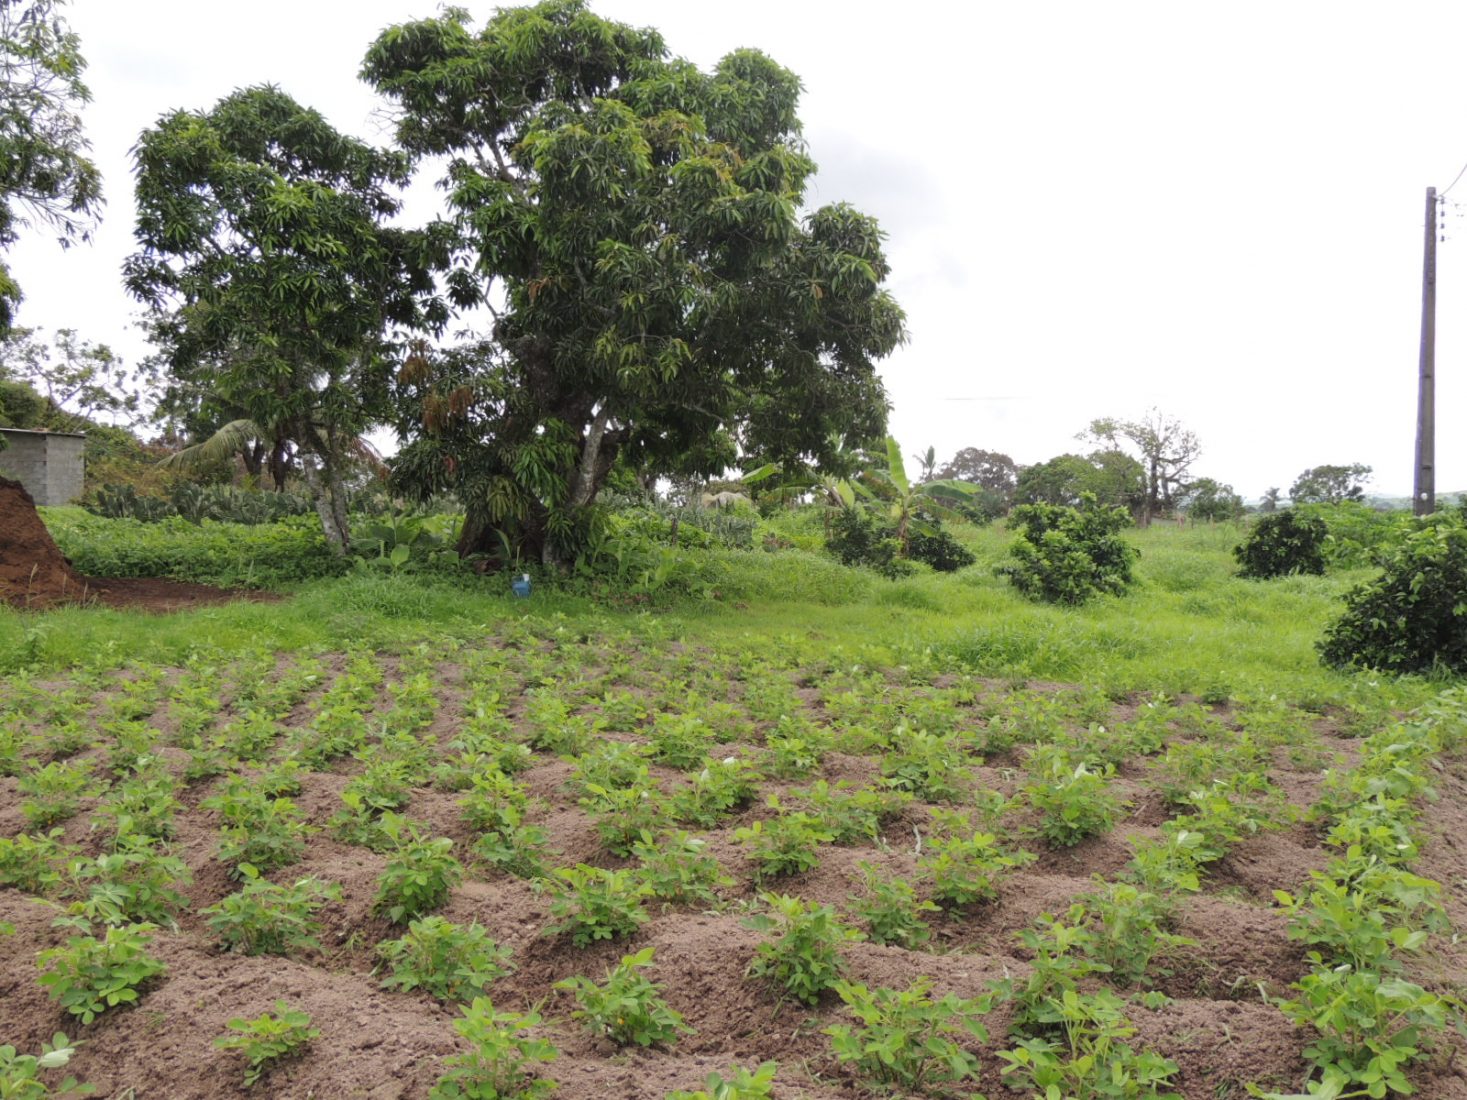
{"x": 1189, "y": 626}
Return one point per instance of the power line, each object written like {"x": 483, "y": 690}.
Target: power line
{"x": 1454, "y": 182}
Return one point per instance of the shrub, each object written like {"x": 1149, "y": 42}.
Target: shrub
{"x": 940, "y": 550}
{"x": 500, "y": 1062}
{"x": 1068, "y": 555}
{"x": 269, "y": 1039}
{"x": 856, "y": 538}
{"x": 1411, "y": 617}
{"x": 89, "y": 976}
{"x": 626, "y": 1007}
{"x": 805, "y": 959}
{"x": 226, "y": 554}
{"x": 906, "y": 1038}
{"x": 449, "y": 961}
{"x": 1282, "y": 543}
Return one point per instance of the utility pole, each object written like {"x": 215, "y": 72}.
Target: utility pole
{"x": 1423, "y": 499}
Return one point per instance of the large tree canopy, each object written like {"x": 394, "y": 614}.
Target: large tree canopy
{"x": 273, "y": 277}
{"x": 635, "y": 224}
{"x": 1330, "y": 484}
{"x": 45, "y": 175}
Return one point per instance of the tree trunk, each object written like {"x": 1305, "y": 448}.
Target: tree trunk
{"x": 329, "y": 497}
{"x": 254, "y": 459}
{"x": 279, "y": 464}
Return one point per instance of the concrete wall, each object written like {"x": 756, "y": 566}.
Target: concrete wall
{"x": 48, "y": 464}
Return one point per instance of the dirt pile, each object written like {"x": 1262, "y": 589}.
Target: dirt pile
{"x": 33, "y": 572}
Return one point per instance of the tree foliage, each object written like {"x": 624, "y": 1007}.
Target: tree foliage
{"x": 1114, "y": 478}
{"x": 271, "y": 272}
{"x": 1163, "y": 446}
{"x": 634, "y": 222}
{"x": 45, "y": 175}
{"x": 75, "y": 383}
{"x": 993, "y": 470}
{"x": 1209, "y": 499}
{"x": 1330, "y": 484}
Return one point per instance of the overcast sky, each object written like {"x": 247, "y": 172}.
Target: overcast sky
{"x": 1092, "y": 208}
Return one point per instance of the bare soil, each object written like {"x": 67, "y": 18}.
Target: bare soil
{"x": 35, "y": 575}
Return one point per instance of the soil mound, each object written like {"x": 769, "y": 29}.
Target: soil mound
{"x": 33, "y": 572}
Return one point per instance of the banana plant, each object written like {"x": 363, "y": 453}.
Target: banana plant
{"x": 893, "y": 488}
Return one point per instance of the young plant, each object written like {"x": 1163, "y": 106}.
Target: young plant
{"x": 592, "y": 903}
{"x": 515, "y": 849}
{"x": 451, "y": 962}
{"x": 1130, "y": 929}
{"x": 678, "y": 870}
{"x": 265, "y": 832}
{"x": 20, "y": 1074}
{"x": 626, "y": 1007}
{"x": 268, "y": 1040}
{"x": 891, "y": 910}
{"x": 88, "y": 976}
{"x": 925, "y": 766}
{"x": 262, "y": 918}
{"x": 721, "y": 788}
{"x": 739, "y": 1085}
{"x": 32, "y": 863}
{"x": 501, "y": 1060}
{"x": 1073, "y": 801}
{"x": 804, "y": 960}
{"x": 967, "y": 868}
{"x": 419, "y": 874}
{"x": 906, "y": 1039}
{"x": 136, "y": 883}
{"x": 55, "y": 791}
{"x": 622, "y": 814}
{"x": 854, "y": 816}
{"x": 1370, "y": 1026}
{"x": 680, "y": 741}
{"x": 788, "y": 844}
{"x": 1091, "y": 1061}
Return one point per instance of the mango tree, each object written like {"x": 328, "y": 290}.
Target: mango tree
{"x": 268, "y": 262}
{"x": 634, "y": 223}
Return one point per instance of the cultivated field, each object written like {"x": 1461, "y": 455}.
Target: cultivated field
{"x": 1048, "y": 872}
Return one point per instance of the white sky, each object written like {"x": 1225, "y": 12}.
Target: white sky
{"x": 1092, "y": 208}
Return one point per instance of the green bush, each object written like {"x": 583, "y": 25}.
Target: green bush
{"x": 1414, "y": 615}
{"x": 1068, "y": 555}
{"x": 227, "y": 554}
{"x": 856, "y": 538}
{"x": 1283, "y": 543}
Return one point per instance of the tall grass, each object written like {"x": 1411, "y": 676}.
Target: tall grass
{"x": 1189, "y": 625}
